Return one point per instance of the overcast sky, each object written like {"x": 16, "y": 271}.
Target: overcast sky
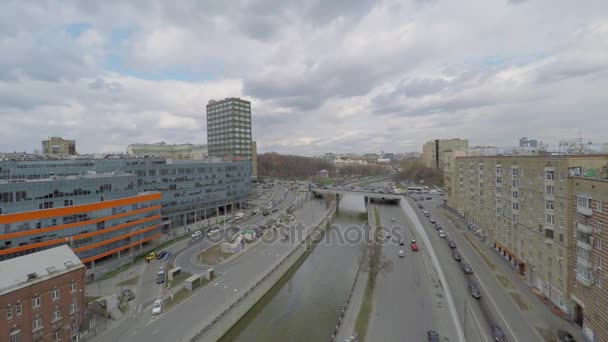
{"x": 323, "y": 76}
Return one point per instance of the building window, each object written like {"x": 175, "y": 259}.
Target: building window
{"x": 498, "y": 180}
{"x": 514, "y": 218}
{"x": 515, "y": 194}
{"x": 15, "y": 336}
{"x": 599, "y": 262}
{"x": 36, "y": 302}
{"x": 72, "y": 287}
{"x": 599, "y": 207}
{"x": 45, "y": 205}
{"x": 9, "y": 312}
{"x": 73, "y": 307}
{"x": 515, "y": 205}
{"x": 56, "y": 315}
{"x": 562, "y": 175}
{"x": 499, "y": 170}
{"x": 549, "y": 205}
{"x": 57, "y": 336}
{"x": 598, "y": 243}
{"x": 68, "y": 203}
{"x": 549, "y": 175}
{"x": 37, "y": 324}
{"x": 549, "y": 190}
{"x": 549, "y": 219}
{"x": 582, "y": 201}
{"x": 18, "y": 309}
{"x": 515, "y": 183}
{"x": 55, "y": 294}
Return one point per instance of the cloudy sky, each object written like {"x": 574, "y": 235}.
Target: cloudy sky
{"x": 323, "y": 76}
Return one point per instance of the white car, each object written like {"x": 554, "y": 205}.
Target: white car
{"x": 441, "y": 233}
{"x": 392, "y": 219}
{"x": 401, "y": 253}
{"x": 157, "y": 307}
{"x": 197, "y": 234}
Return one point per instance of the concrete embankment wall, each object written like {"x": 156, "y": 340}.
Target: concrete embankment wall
{"x": 215, "y": 329}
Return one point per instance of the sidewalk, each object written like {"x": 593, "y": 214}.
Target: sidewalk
{"x": 530, "y": 302}
{"x": 346, "y": 332}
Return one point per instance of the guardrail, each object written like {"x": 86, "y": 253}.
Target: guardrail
{"x": 300, "y": 248}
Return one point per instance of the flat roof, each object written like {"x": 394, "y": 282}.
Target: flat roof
{"x": 541, "y": 156}
{"x": 37, "y": 267}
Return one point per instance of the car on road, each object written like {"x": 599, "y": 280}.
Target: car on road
{"x": 441, "y": 233}
{"x": 275, "y": 210}
{"x": 157, "y": 307}
{"x": 401, "y": 242}
{"x": 564, "y": 336}
{"x": 497, "y": 334}
{"x": 127, "y": 294}
{"x": 197, "y": 234}
{"x": 415, "y": 199}
{"x": 401, "y": 253}
{"x": 452, "y": 243}
{"x": 456, "y": 255}
{"x": 151, "y": 256}
{"x": 392, "y": 219}
{"x": 161, "y": 254}
{"x": 438, "y": 226}
{"x": 421, "y": 198}
{"x": 474, "y": 291}
{"x": 266, "y": 212}
{"x": 432, "y": 220}
{"x": 429, "y": 198}
{"x": 255, "y": 211}
{"x": 420, "y": 206}
{"x": 426, "y": 213}
{"x": 466, "y": 268}
{"x": 414, "y": 246}
{"x": 432, "y": 336}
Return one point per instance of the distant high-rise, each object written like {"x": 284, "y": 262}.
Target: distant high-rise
{"x": 525, "y": 142}
{"x": 59, "y": 146}
{"x": 432, "y": 151}
{"x": 229, "y": 128}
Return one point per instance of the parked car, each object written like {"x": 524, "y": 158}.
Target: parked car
{"x": 474, "y": 291}
{"x": 564, "y": 336}
{"x": 161, "y": 254}
{"x": 197, "y": 234}
{"x": 452, "y": 243}
{"x": 466, "y": 268}
{"x": 497, "y": 334}
{"x": 456, "y": 255}
{"x": 401, "y": 253}
{"x": 128, "y": 294}
{"x": 157, "y": 307}
{"x": 432, "y": 336}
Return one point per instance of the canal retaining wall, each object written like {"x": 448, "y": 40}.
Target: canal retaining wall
{"x": 218, "y": 325}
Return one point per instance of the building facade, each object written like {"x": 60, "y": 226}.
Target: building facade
{"x": 229, "y": 128}
{"x": 191, "y": 190}
{"x": 59, "y": 146}
{"x": 169, "y": 151}
{"x": 433, "y": 151}
{"x": 42, "y": 296}
{"x": 520, "y": 206}
{"x": 97, "y": 215}
{"x": 254, "y": 160}
{"x": 588, "y": 279}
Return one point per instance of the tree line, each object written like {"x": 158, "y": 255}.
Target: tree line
{"x": 290, "y": 166}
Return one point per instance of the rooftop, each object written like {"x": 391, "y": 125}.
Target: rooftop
{"x": 37, "y": 267}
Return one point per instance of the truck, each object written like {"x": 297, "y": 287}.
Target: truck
{"x": 239, "y": 216}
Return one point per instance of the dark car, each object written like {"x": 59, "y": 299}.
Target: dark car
{"x": 429, "y": 198}
{"x": 432, "y": 336}
{"x": 420, "y": 206}
{"x": 467, "y": 268}
{"x": 564, "y": 336}
{"x": 498, "y": 335}
{"x": 421, "y": 198}
{"x": 438, "y": 226}
{"x": 432, "y": 220}
{"x": 474, "y": 291}
{"x": 415, "y": 200}
{"x": 275, "y": 210}
{"x": 160, "y": 254}
{"x": 128, "y": 294}
{"x": 452, "y": 244}
{"x": 456, "y": 255}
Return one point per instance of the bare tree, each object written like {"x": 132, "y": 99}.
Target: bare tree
{"x": 328, "y": 198}
{"x": 372, "y": 260}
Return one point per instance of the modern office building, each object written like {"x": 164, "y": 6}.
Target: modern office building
{"x": 229, "y": 128}
{"x": 432, "y": 151}
{"x": 42, "y": 296}
{"x": 168, "y": 151}
{"x": 588, "y": 261}
{"x": 191, "y": 190}
{"x": 520, "y": 206}
{"x": 59, "y": 146}
{"x": 97, "y": 215}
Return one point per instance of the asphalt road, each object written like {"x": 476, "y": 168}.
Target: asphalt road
{"x": 186, "y": 318}
{"x": 409, "y": 300}
{"x": 495, "y": 307}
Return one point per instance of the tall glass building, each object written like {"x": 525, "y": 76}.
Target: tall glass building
{"x": 229, "y": 128}
{"x": 82, "y": 201}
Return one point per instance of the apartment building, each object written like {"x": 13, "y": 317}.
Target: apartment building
{"x": 588, "y": 262}
{"x": 97, "y": 215}
{"x": 450, "y": 179}
{"x": 191, "y": 190}
{"x": 59, "y": 146}
{"x": 229, "y": 128}
{"x": 433, "y": 151}
{"x": 169, "y": 151}
{"x": 520, "y": 205}
{"x": 42, "y": 296}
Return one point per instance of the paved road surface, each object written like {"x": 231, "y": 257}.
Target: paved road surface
{"x": 409, "y": 300}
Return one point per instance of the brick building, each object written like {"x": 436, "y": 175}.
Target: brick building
{"x": 42, "y": 296}
{"x": 588, "y": 262}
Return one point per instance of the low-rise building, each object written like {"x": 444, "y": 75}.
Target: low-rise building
{"x": 588, "y": 261}
{"x": 169, "y": 151}
{"x": 59, "y": 146}
{"x": 42, "y": 296}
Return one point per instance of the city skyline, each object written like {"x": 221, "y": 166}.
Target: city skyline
{"x": 109, "y": 80}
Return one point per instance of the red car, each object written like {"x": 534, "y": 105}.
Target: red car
{"x": 414, "y": 246}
